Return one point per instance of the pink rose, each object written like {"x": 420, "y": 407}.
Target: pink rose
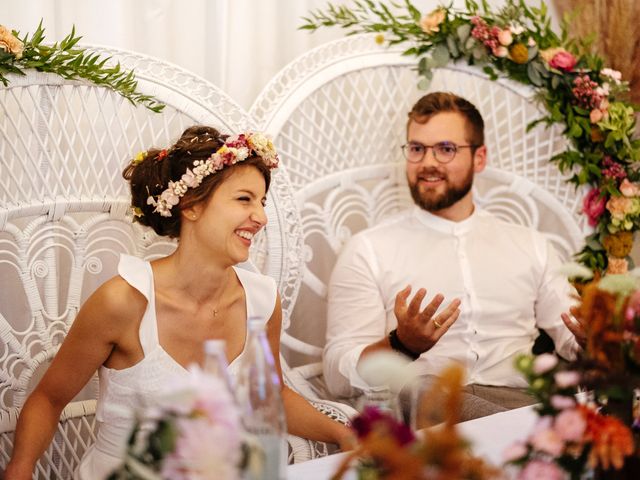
{"x": 567, "y": 379}
{"x": 633, "y": 307}
{"x": 547, "y": 441}
{"x": 505, "y": 37}
{"x": 593, "y": 206}
{"x": 570, "y": 425}
{"x": 540, "y": 469}
{"x": 514, "y": 452}
{"x": 543, "y": 363}
{"x": 629, "y": 189}
{"x": 564, "y": 61}
{"x": 560, "y": 402}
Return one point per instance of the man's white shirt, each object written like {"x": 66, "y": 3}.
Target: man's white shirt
{"x": 504, "y": 274}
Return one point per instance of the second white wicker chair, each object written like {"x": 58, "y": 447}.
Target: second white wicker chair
{"x": 338, "y": 115}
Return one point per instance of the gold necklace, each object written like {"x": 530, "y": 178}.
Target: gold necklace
{"x": 216, "y": 308}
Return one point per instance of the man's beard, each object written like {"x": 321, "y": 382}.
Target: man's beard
{"x": 452, "y": 195}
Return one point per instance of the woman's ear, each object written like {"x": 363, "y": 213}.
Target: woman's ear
{"x": 192, "y": 212}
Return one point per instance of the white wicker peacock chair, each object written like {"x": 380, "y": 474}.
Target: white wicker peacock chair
{"x": 338, "y": 115}
{"x": 64, "y": 220}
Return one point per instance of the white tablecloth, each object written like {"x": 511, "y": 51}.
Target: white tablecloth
{"x": 489, "y": 436}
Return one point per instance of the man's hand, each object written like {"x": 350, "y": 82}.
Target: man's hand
{"x": 420, "y": 330}
{"x": 574, "y": 324}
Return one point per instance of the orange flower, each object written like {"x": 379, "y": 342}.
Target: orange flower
{"x": 618, "y": 244}
{"x": 519, "y": 53}
{"x": 598, "y": 310}
{"x": 611, "y": 440}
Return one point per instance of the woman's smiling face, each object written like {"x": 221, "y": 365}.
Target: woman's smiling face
{"x": 234, "y": 213}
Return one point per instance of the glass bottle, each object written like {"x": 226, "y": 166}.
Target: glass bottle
{"x": 260, "y": 401}
{"x": 215, "y": 362}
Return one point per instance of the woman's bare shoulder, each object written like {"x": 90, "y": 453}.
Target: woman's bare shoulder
{"x": 115, "y": 302}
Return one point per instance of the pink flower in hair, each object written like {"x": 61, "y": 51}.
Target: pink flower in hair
{"x": 190, "y": 179}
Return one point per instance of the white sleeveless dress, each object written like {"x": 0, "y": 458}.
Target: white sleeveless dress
{"x": 123, "y": 390}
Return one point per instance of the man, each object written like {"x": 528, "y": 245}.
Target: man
{"x": 500, "y": 279}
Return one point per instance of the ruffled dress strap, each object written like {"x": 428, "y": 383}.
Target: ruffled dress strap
{"x": 139, "y": 274}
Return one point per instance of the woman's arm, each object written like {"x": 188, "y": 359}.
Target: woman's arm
{"x": 88, "y": 344}
{"x": 302, "y": 419}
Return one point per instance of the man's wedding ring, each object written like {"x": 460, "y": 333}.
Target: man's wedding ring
{"x": 438, "y": 325}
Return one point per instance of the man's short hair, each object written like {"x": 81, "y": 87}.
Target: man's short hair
{"x": 438, "y": 102}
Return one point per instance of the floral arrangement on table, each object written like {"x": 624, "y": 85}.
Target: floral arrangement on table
{"x": 195, "y": 432}
{"x": 600, "y": 432}
{"x": 67, "y": 60}
{"x": 578, "y": 92}
{"x": 389, "y": 449}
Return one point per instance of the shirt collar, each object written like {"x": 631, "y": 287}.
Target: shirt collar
{"x": 442, "y": 224}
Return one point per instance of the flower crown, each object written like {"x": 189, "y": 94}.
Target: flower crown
{"x": 235, "y": 149}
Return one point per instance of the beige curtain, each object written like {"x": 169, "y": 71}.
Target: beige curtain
{"x": 616, "y": 24}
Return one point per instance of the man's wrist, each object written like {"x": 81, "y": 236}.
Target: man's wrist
{"x": 400, "y": 347}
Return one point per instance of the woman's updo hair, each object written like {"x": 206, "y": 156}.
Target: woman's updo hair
{"x": 151, "y": 176}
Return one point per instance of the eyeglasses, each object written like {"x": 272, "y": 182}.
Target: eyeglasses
{"x": 443, "y": 152}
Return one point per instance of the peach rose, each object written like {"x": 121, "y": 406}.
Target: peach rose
{"x": 9, "y": 43}
{"x": 505, "y": 37}
{"x": 629, "y": 189}
{"x": 500, "y": 51}
{"x": 596, "y": 115}
{"x": 617, "y": 266}
{"x": 619, "y": 207}
{"x": 430, "y": 23}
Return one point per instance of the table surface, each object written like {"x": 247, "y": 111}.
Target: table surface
{"x": 489, "y": 437}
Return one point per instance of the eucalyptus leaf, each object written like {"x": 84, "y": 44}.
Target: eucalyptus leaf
{"x": 441, "y": 55}
{"x": 463, "y": 32}
{"x": 479, "y": 52}
{"x": 424, "y": 83}
{"x": 452, "y": 46}
{"x": 534, "y": 75}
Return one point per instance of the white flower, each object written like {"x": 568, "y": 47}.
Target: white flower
{"x": 614, "y": 75}
{"x": 574, "y": 270}
{"x": 386, "y": 369}
{"x": 619, "y": 284}
{"x": 516, "y": 29}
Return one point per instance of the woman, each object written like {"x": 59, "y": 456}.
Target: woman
{"x": 149, "y": 322}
